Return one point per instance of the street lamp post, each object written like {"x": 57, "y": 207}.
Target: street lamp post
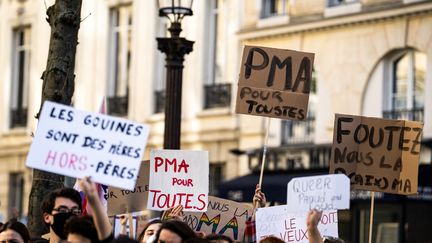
{"x": 175, "y": 48}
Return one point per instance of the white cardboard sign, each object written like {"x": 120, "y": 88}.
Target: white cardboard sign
{"x": 77, "y": 143}
{"x": 325, "y": 192}
{"x": 291, "y": 227}
{"x": 178, "y": 177}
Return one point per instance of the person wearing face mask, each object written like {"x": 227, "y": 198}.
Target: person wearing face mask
{"x": 14, "y": 232}
{"x": 57, "y": 208}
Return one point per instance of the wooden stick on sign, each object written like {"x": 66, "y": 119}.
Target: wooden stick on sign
{"x": 264, "y": 151}
{"x": 371, "y": 217}
{"x": 131, "y": 226}
{"x": 264, "y": 155}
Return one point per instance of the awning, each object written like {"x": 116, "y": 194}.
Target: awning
{"x": 275, "y": 183}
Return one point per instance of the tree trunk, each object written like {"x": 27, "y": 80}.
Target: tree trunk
{"x": 64, "y": 17}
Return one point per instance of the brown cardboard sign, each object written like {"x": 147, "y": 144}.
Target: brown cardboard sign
{"x": 274, "y": 83}
{"x": 377, "y": 154}
{"x": 122, "y": 201}
{"x": 223, "y": 217}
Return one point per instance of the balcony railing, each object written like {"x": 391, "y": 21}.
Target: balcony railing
{"x": 404, "y": 114}
{"x": 18, "y": 117}
{"x": 295, "y": 132}
{"x": 217, "y": 95}
{"x": 159, "y": 96}
{"x": 118, "y": 105}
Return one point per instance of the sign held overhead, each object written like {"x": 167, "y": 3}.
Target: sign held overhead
{"x": 325, "y": 192}
{"x": 77, "y": 143}
{"x": 377, "y": 154}
{"x": 274, "y": 83}
{"x": 179, "y": 177}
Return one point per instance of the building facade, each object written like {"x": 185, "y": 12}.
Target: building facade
{"x": 372, "y": 58}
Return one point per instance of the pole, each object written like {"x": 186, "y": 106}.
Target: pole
{"x": 175, "y": 49}
{"x": 264, "y": 156}
{"x": 371, "y": 217}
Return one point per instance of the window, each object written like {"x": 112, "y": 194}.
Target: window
{"x": 333, "y": 3}
{"x": 271, "y": 8}
{"x": 342, "y": 7}
{"x": 386, "y": 223}
{"x": 119, "y": 61}
{"x": 16, "y": 192}
{"x": 20, "y": 77}
{"x": 216, "y": 175}
{"x": 405, "y": 87}
{"x": 217, "y": 92}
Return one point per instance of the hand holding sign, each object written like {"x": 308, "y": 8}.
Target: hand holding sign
{"x": 175, "y": 212}
{"x": 259, "y": 199}
{"x": 318, "y": 192}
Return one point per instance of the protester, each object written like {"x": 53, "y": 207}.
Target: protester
{"x": 100, "y": 217}
{"x": 14, "y": 232}
{"x": 57, "y": 208}
{"x": 174, "y": 231}
{"x": 148, "y": 234}
{"x": 218, "y": 238}
{"x": 81, "y": 230}
{"x": 271, "y": 239}
{"x": 259, "y": 200}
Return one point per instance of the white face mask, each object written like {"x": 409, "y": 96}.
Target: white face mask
{"x": 151, "y": 239}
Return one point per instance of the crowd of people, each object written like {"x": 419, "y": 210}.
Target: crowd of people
{"x": 62, "y": 213}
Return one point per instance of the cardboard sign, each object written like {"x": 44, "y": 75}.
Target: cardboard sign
{"x": 377, "y": 154}
{"x": 274, "y": 83}
{"x": 77, "y": 143}
{"x": 178, "y": 177}
{"x": 125, "y": 201}
{"x": 222, "y": 217}
{"x": 292, "y": 227}
{"x": 319, "y": 192}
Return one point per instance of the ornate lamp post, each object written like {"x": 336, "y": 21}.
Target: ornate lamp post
{"x": 175, "y": 48}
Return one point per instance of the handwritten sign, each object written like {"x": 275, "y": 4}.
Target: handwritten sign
{"x": 274, "y": 83}
{"x": 178, "y": 177}
{"x": 224, "y": 217}
{"x": 122, "y": 201}
{"x": 319, "y": 192}
{"x": 377, "y": 154}
{"x": 77, "y": 143}
{"x": 291, "y": 227}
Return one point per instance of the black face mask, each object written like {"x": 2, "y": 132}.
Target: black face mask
{"x": 59, "y": 222}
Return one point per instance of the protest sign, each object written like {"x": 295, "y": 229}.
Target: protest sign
{"x": 274, "y": 83}
{"x": 223, "y": 217}
{"x": 325, "y": 192}
{"x": 178, "y": 177}
{"x": 122, "y": 201}
{"x": 76, "y": 143}
{"x": 377, "y": 154}
{"x": 292, "y": 227}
